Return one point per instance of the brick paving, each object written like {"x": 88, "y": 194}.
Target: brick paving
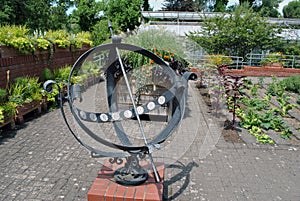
{"x": 42, "y": 161}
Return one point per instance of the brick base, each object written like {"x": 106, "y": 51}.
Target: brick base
{"x": 105, "y": 188}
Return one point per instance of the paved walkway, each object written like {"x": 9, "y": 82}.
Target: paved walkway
{"x": 42, "y": 161}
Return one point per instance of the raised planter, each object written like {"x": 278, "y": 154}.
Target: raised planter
{"x": 27, "y": 108}
{"x": 8, "y": 120}
{"x": 84, "y": 47}
{"x": 263, "y": 71}
{"x": 9, "y": 52}
{"x": 273, "y": 65}
{"x": 60, "y": 49}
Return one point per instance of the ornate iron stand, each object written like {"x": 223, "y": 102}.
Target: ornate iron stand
{"x": 132, "y": 174}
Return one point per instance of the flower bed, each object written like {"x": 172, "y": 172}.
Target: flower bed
{"x": 264, "y": 109}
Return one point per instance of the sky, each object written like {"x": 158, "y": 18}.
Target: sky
{"x": 156, "y": 4}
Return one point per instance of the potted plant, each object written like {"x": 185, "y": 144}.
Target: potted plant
{"x": 26, "y": 93}
{"x": 7, "y": 109}
{"x": 274, "y": 60}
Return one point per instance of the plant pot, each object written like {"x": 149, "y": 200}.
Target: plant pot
{"x": 26, "y": 108}
{"x": 61, "y": 49}
{"x": 9, "y": 52}
{"x": 39, "y": 51}
{"x": 84, "y": 47}
{"x": 8, "y": 120}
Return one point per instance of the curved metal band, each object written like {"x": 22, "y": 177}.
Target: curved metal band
{"x": 177, "y": 92}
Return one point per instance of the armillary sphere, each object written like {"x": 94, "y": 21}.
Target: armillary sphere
{"x": 123, "y": 101}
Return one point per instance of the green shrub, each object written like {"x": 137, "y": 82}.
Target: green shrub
{"x": 292, "y": 83}
{"x": 3, "y": 95}
{"x": 81, "y": 38}
{"x": 17, "y": 37}
{"x": 59, "y": 38}
{"x": 25, "y": 90}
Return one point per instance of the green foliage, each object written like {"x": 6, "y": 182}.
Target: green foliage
{"x": 125, "y": 13}
{"x": 42, "y": 43}
{"x": 59, "y": 38}
{"x": 273, "y": 57}
{"x": 86, "y": 14}
{"x": 285, "y": 106}
{"x": 25, "y": 90}
{"x": 17, "y": 37}
{"x": 161, "y": 39}
{"x": 3, "y": 95}
{"x": 62, "y": 74}
{"x": 219, "y": 59}
{"x": 81, "y": 38}
{"x": 292, "y": 10}
{"x": 292, "y": 83}
{"x": 1, "y": 115}
{"x": 269, "y": 8}
{"x": 47, "y": 74}
{"x": 188, "y": 5}
{"x": 236, "y": 34}
{"x": 276, "y": 87}
{"x": 100, "y": 32}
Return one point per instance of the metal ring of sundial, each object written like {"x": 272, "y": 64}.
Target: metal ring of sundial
{"x": 114, "y": 68}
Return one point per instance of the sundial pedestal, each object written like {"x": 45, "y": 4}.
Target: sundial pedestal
{"x": 106, "y": 188}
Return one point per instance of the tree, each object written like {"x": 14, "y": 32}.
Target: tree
{"x": 292, "y": 10}
{"x": 86, "y": 14}
{"x": 36, "y": 14}
{"x": 125, "y": 13}
{"x": 146, "y": 5}
{"x": 220, "y": 5}
{"x": 237, "y": 34}
{"x": 268, "y": 8}
{"x": 178, "y": 5}
{"x": 250, "y": 2}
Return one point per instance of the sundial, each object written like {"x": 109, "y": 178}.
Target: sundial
{"x": 123, "y": 102}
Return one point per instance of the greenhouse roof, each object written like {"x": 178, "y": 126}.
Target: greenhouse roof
{"x": 196, "y": 16}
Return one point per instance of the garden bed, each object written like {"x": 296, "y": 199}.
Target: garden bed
{"x": 282, "y": 126}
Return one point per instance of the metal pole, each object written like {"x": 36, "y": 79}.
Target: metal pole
{"x": 157, "y": 177}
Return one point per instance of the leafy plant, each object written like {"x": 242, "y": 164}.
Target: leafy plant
{"x": 219, "y": 59}
{"x": 285, "y": 106}
{"x": 81, "y": 38}
{"x": 254, "y": 90}
{"x": 59, "y": 38}
{"x": 25, "y": 90}
{"x": 17, "y": 37}
{"x": 260, "y": 136}
{"x": 62, "y": 74}
{"x": 8, "y": 109}
{"x": 3, "y": 95}
{"x": 42, "y": 43}
{"x": 47, "y": 74}
{"x": 292, "y": 83}
{"x": 256, "y": 103}
{"x": 1, "y": 115}
{"x": 275, "y": 57}
{"x": 276, "y": 87}
{"x": 249, "y": 119}
{"x": 261, "y": 81}
{"x": 233, "y": 89}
